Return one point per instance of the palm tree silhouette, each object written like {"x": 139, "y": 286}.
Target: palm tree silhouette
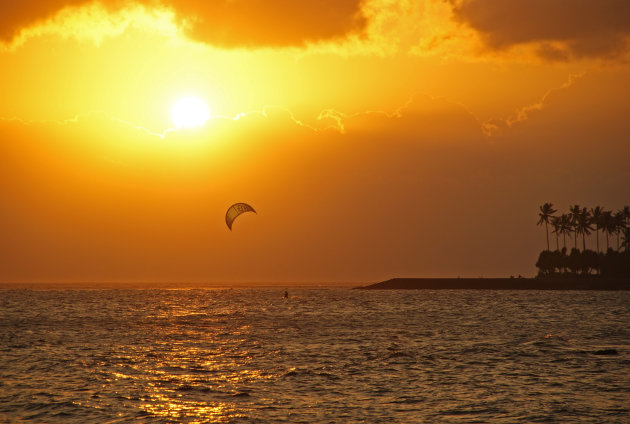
{"x": 597, "y": 213}
{"x": 607, "y": 225}
{"x": 626, "y": 215}
{"x": 619, "y": 222}
{"x": 625, "y": 239}
{"x": 555, "y": 223}
{"x": 574, "y": 213}
{"x": 546, "y": 211}
{"x": 583, "y": 226}
{"x": 566, "y": 227}
{"x": 626, "y": 228}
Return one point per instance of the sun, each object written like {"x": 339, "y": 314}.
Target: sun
{"x": 190, "y": 112}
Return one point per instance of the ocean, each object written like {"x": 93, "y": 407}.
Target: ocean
{"x": 324, "y": 355}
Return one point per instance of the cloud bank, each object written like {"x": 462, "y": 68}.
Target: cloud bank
{"x": 224, "y": 23}
{"x": 561, "y": 30}
{"x": 557, "y": 30}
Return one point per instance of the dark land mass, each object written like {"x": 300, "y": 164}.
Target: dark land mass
{"x": 589, "y": 283}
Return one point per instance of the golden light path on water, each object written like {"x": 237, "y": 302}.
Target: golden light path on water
{"x": 222, "y": 371}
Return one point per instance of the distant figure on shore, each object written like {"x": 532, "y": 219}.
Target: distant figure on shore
{"x": 286, "y": 294}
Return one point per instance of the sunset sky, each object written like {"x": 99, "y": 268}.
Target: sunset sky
{"x": 375, "y": 138}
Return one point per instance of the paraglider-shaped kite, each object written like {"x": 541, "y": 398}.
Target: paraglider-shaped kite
{"x": 234, "y": 211}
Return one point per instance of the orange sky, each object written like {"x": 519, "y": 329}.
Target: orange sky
{"x": 375, "y": 138}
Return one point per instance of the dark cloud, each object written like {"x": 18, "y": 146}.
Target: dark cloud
{"x": 15, "y": 16}
{"x": 265, "y": 22}
{"x": 564, "y": 29}
{"x": 227, "y": 23}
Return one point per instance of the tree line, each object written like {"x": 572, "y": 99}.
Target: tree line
{"x": 580, "y": 223}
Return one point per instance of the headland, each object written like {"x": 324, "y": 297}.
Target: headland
{"x": 590, "y": 283}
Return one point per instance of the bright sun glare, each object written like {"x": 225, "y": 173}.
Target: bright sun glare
{"x": 190, "y": 112}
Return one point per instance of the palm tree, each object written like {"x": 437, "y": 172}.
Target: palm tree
{"x": 566, "y": 227}
{"x": 619, "y": 222}
{"x": 555, "y": 223}
{"x": 574, "y": 214}
{"x": 626, "y": 227}
{"x": 607, "y": 225}
{"x": 546, "y": 211}
{"x": 626, "y": 215}
{"x": 625, "y": 239}
{"x": 597, "y": 213}
{"x": 584, "y": 226}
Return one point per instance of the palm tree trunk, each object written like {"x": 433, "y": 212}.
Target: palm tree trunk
{"x": 547, "y": 232}
{"x": 575, "y": 240}
{"x": 583, "y": 242}
{"x": 564, "y": 235}
{"x": 557, "y": 245}
{"x": 597, "y": 235}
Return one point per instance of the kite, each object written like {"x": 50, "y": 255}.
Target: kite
{"x": 234, "y": 211}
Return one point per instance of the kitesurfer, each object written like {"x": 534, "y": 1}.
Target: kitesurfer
{"x": 234, "y": 211}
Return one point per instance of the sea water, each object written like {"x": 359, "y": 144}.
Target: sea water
{"x": 320, "y": 356}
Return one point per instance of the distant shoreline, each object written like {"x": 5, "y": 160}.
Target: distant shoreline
{"x": 589, "y": 283}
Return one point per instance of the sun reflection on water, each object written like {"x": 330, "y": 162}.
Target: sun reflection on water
{"x": 212, "y": 412}
{"x": 194, "y": 365}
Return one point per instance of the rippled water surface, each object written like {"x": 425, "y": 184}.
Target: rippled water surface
{"x": 323, "y": 355}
